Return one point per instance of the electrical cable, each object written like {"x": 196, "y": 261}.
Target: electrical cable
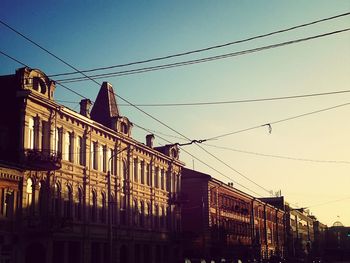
{"x": 196, "y": 61}
{"x": 99, "y": 84}
{"x": 207, "y": 48}
{"x": 277, "y": 156}
{"x": 279, "y": 121}
{"x": 228, "y": 101}
{"x": 199, "y": 159}
{"x": 206, "y": 164}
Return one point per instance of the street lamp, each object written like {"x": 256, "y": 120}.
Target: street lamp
{"x": 110, "y": 233}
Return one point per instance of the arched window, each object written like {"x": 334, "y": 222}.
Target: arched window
{"x": 136, "y": 213}
{"x": 57, "y": 200}
{"x": 112, "y": 210}
{"x": 94, "y": 206}
{"x": 124, "y": 128}
{"x": 123, "y": 210}
{"x": 162, "y": 218}
{"x": 147, "y": 215}
{"x": 42, "y": 197}
{"x": 103, "y": 208}
{"x": 142, "y": 214}
{"x": 29, "y": 197}
{"x": 68, "y": 202}
{"x": 79, "y": 205}
{"x": 156, "y": 217}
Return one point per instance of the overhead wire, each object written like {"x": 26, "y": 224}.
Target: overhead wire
{"x": 228, "y": 101}
{"x": 199, "y": 159}
{"x": 216, "y": 57}
{"x": 202, "y": 162}
{"x": 209, "y": 48}
{"x": 277, "y": 156}
{"x": 99, "y": 84}
{"x": 196, "y": 61}
{"x": 278, "y": 121}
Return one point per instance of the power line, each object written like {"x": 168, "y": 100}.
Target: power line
{"x": 205, "y": 163}
{"x": 208, "y": 48}
{"x": 77, "y": 70}
{"x": 227, "y": 101}
{"x": 279, "y": 121}
{"x": 196, "y": 61}
{"x": 277, "y": 156}
{"x": 329, "y": 202}
{"x": 240, "y": 101}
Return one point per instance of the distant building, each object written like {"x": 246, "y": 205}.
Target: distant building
{"x": 338, "y": 243}
{"x": 219, "y": 221}
{"x": 76, "y": 187}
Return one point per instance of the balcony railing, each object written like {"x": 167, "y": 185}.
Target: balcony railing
{"x": 42, "y": 160}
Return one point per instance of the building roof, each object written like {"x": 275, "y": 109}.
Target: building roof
{"x": 105, "y": 106}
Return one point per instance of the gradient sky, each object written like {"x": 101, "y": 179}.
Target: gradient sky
{"x": 91, "y": 34}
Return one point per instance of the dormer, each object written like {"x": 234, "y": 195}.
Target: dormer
{"x": 36, "y": 81}
{"x": 171, "y": 150}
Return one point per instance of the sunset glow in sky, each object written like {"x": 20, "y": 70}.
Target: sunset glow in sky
{"x": 307, "y": 158}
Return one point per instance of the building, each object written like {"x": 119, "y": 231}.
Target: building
{"x": 219, "y": 221}
{"x": 76, "y": 187}
{"x": 338, "y": 243}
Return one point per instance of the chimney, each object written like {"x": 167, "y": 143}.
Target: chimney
{"x": 149, "y": 140}
{"x": 85, "y": 105}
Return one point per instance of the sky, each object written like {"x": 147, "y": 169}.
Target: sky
{"x": 90, "y": 34}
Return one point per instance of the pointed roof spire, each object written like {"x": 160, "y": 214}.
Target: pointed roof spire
{"x": 105, "y": 107}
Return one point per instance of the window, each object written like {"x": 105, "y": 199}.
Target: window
{"x": 147, "y": 215}
{"x": 29, "y": 190}
{"x": 112, "y": 210}
{"x": 111, "y": 160}
{"x": 135, "y": 170}
{"x": 103, "y": 208}
{"x": 31, "y": 133}
{"x": 94, "y": 207}
{"x": 125, "y": 170}
{"x": 42, "y": 197}
{"x": 58, "y": 140}
{"x": 142, "y": 172}
{"x": 156, "y": 177}
{"x": 162, "y": 179}
{"x": 103, "y": 156}
{"x": 142, "y": 214}
{"x": 136, "y": 213}
{"x": 168, "y": 182}
{"x": 156, "y": 217}
{"x": 68, "y": 146}
{"x": 123, "y": 210}
{"x": 81, "y": 151}
{"x": 94, "y": 155}
{"x": 79, "y": 210}
{"x": 162, "y": 218}
{"x": 57, "y": 200}
{"x": 148, "y": 174}
{"x": 68, "y": 202}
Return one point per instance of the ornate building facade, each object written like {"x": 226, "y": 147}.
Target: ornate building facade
{"x": 76, "y": 187}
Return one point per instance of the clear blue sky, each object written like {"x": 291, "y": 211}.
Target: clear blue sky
{"x": 91, "y": 34}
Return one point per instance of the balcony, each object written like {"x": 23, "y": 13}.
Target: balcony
{"x": 42, "y": 160}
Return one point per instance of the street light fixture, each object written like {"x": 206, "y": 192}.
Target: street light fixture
{"x": 110, "y": 233}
